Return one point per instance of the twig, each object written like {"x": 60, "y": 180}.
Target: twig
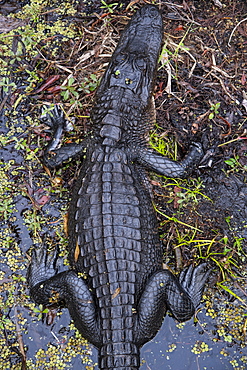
{"x": 3, "y": 102}
{"x": 224, "y": 88}
{"x": 165, "y": 63}
{"x": 178, "y": 254}
{"x": 232, "y": 141}
{"x": 234, "y": 29}
{"x": 217, "y": 69}
{"x": 183, "y": 48}
{"x": 19, "y": 339}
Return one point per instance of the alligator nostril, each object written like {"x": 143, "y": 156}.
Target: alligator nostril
{"x": 128, "y": 81}
{"x": 153, "y": 12}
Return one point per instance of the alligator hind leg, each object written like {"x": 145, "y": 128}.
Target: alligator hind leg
{"x": 167, "y": 167}
{"x": 47, "y": 288}
{"x": 54, "y": 154}
{"x": 164, "y": 292}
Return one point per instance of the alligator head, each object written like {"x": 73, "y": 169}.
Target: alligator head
{"x": 134, "y": 61}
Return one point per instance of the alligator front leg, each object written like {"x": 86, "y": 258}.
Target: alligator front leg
{"x": 167, "y": 167}
{"x": 54, "y": 154}
{"x": 49, "y": 288}
{"x": 165, "y": 292}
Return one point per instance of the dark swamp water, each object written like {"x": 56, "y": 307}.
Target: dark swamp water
{"x": 203, "y": 219}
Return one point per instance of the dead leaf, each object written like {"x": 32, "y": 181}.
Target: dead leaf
{"x": 57, "y": 181}
{"x": 47, "y": 170}
{"x": 194, "y": 128}
{"x": 50, "y": 80}
{"x": 43, "y": 200}
{"x": 77, "y": 252}
{"x": 50, "y": 316}
{"x": 243, "y": 79}
{"x": 155, "y": 183}
{"x": 65, "y": 223}
{"x": 116, "y": 293}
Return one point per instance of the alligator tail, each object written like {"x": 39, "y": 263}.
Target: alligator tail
{"x": 119, "y": 356}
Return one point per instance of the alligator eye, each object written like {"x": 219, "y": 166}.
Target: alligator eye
{"x": 140, "y": 63}
{"x": 120, "y": 58}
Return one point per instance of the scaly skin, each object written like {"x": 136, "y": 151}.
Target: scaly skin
{"x": 113, "y": 231}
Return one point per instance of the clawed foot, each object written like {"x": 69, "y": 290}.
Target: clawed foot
{"x": 193, "y": 281}
{"x": 54, "y": 118}
{"x": 42, "y": 266}
{"x": 196, "y": 152}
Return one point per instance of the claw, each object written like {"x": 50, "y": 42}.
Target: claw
{"x": 193, "y": 281}
{"x": 186, "y": 276}
{"x": 56, "y": 121}
{"x": 51, "y": 258}
{"x": 52, "y": 117}
{"x": 197, "y": 146}
{"x": 42, "y": 266}
{"x": 182, "y": 275}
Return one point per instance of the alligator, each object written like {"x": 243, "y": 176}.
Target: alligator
{"x": 117, "y": 290}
